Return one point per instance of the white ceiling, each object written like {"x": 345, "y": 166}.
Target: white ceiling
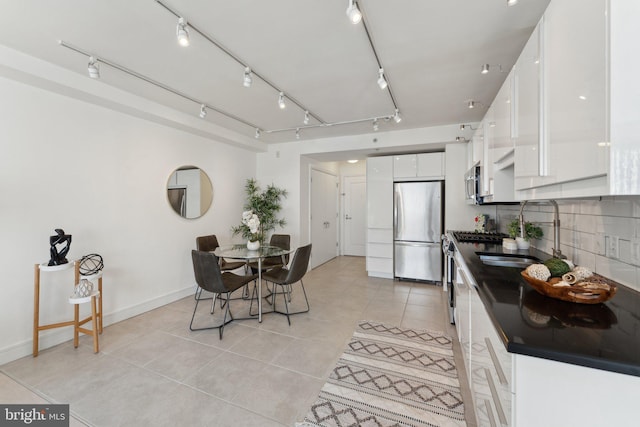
{"x": 432, "y": 52}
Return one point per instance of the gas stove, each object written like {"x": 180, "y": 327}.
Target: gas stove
{"x": 478, "y": 237}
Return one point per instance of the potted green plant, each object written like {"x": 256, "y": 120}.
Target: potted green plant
{"x": 531, "y": 231}
{"x": 261, "y": 209}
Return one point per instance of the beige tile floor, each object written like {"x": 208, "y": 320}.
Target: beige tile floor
{"x": 152, "y": 370}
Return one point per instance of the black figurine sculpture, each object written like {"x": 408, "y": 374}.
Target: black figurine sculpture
{"x": 60, "y": 245}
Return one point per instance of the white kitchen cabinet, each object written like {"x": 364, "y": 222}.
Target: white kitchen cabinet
{"x": 588, "y": 141}
{"x": 490, "y": 370}
{"x": 422, "y": 166}
{"x": 500, "y": 128}
{"x": 405, "y": 166}
{"x": 431, "y": 166}
{"x": 462, "y": 290}
{"x": 528, "y": 164}
{"x": 380, "y": 216}
{"x": 576, "y": 88}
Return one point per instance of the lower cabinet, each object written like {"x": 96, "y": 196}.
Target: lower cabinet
{"x": 490, "y": 368}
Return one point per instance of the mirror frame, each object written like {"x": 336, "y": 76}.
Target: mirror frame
{"x": 189, "y": 192}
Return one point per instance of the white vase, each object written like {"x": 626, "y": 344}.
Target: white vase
{"x": 253, "y": 245}
{"x": 522, "y": 243}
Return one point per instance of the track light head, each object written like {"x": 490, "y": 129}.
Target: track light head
{"x": 281, "y": 102}
{"x": 471, "y": 104}
{"x": 257, "y": 135}
{"x": 298, "y": 133}
{"x": 248, "y": 78}
{"x": 382, "y": 82}
{"x": 182, "y": 32}
{"x": 354, "y": 14}
{"x": 375, "y": 125}
{"x": 462, "y": 127}
{"x": 396, "y": 116}
{"x": 485, "y": 69}
{"x": 306, "y": 118}
{"x": 93, "y": 69}
{"x": 203, "y": 111}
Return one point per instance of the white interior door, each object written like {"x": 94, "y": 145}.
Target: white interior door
{"x": 355, "y": 218}
{"x": 324, "y": 209}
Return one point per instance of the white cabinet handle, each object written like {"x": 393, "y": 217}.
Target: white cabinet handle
{"x": 496, "y": 398}
{"x": 496, "y": 363}
{"x": 492, "y": 419}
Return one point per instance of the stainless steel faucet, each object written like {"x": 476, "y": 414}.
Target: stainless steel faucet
{"x": 557, "y": 253}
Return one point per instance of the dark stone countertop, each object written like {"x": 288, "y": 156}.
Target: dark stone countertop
{"x": 603, "y": 336}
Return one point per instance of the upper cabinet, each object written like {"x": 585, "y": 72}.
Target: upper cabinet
{"x": 577, "y": 95}
{"x": 575, "y": 89}
{"x": 423, "y": 166}
{"x": 528, "y": 102}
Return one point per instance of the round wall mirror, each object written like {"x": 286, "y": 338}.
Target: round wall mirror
{"x": 189, "y": 192}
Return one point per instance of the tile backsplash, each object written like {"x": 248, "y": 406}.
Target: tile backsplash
{"x": 602, "y": 234}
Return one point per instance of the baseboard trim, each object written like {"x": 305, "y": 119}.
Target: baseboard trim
{"x": 57, "y": 336}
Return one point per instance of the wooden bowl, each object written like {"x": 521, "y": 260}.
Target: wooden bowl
{"x": 582, "y": 292}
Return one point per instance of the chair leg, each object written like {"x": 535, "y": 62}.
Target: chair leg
{"x": 225, "y": 321}
{"x": 286, "y": 305}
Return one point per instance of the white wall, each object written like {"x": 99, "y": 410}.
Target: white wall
{"x": 100, "y": 175}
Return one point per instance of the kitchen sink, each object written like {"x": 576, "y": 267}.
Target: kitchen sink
{"x": 507, "y": 260}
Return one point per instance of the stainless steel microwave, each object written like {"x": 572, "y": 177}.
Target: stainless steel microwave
{"x": 473, "y": 185}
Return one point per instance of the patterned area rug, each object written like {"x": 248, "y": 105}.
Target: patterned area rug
{"x": 389, "y": 376}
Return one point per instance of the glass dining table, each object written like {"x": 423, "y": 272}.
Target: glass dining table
{"x": 241, "y": 252}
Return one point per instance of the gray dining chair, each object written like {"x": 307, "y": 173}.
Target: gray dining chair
{"x": 282, "y": 241}
{"x": 209, "y": 277}
{"x": 285, "y": 278}
{"x": 209, "y": 243}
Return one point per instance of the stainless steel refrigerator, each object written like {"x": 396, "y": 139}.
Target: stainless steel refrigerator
{"x": 417, "y": 229}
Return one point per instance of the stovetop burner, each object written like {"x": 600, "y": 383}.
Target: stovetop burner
{"x": 478, "y": 237}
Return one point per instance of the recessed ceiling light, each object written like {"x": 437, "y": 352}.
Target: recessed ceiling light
{"x": 511, "y": 2}
{"x": 352, "y": 161}
{"x": 182, "y": 32}
{"x": 354, "y": 14}
{"x": 281, "y": 102}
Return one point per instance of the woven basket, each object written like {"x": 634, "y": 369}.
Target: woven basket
{"x": 577, "y": 292}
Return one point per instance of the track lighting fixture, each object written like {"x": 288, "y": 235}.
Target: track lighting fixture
{"x": 281, "y": 103}
{"x": 471, "y": 104}
{"x": 182, "y": 32}
{"x": 382, "y": 82}
{"x": 354, "y": 14}
{"x": 462, "y": 127}
{"x": 257, "y": 135}
{"x": 306, "y": 118}
{"x": 396, "y": 116}
{"x": 248, "y": 79}
{"x": 486, "y": 67}
{"x": 511, "y": 2}
{"x": 203, "y": 111}
{"x": 94, "y": 70}
{"x": 375, "y": 125}
{"x": 298, "y": 133}
{"x": 460, "y": 139}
